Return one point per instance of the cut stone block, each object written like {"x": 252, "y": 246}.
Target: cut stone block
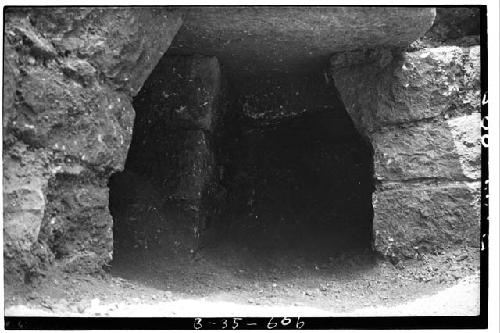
{"x": 425, "y": 218}
{"x": 382, "y": 88}
{"x": 449, "y": 149}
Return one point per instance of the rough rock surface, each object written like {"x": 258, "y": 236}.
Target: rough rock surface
{"x": 24, "y": 185}
{"x": 420, "y": 110}
{"x": 383, "y": 87}
{"x": 70, "y": 74}
{"x": 431, "y": 150}
{"x": 177, "y": 112}
{"x": 425, "y": 218}
{"x": 124, "y": 44}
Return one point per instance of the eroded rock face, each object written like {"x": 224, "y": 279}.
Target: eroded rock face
{"x": 421, "y": 112}
{"x": 124, "y": 44}
{"x": 24, "y": 185}
{"x": 70, "y": 74}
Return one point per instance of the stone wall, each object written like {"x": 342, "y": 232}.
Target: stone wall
{"x": 421, "y": 112}
{"x": 69, "y": 76}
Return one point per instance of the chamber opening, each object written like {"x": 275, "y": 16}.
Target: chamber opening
{"x": 268, "y": 164}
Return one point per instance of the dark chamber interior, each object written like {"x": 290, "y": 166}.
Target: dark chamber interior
{"x": 300, "y": 184}
{"x": 297, "y": 182}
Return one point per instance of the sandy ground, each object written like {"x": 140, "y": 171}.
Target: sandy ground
{"x": 352, "y": 285}
{"x": 459, "y": 300}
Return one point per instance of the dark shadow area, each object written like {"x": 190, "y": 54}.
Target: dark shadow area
{"x": 301, "y": 185}
{"x": 160, "y": 201}
{"x": 244, "y": 174}
{"x": 231, "y": 269}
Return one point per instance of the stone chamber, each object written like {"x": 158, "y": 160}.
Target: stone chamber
{"x": 268, "y": 161}
{"x": 134, "y": 133}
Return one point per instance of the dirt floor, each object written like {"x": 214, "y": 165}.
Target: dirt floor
{"x": 223, "y": 282}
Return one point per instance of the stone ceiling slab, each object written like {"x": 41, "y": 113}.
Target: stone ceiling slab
{"x": 256, "y": 38}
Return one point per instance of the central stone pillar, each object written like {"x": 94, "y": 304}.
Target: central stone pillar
{"x": 171, "y": 162}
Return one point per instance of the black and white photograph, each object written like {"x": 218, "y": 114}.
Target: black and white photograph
{"x": 250, "y": 166}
